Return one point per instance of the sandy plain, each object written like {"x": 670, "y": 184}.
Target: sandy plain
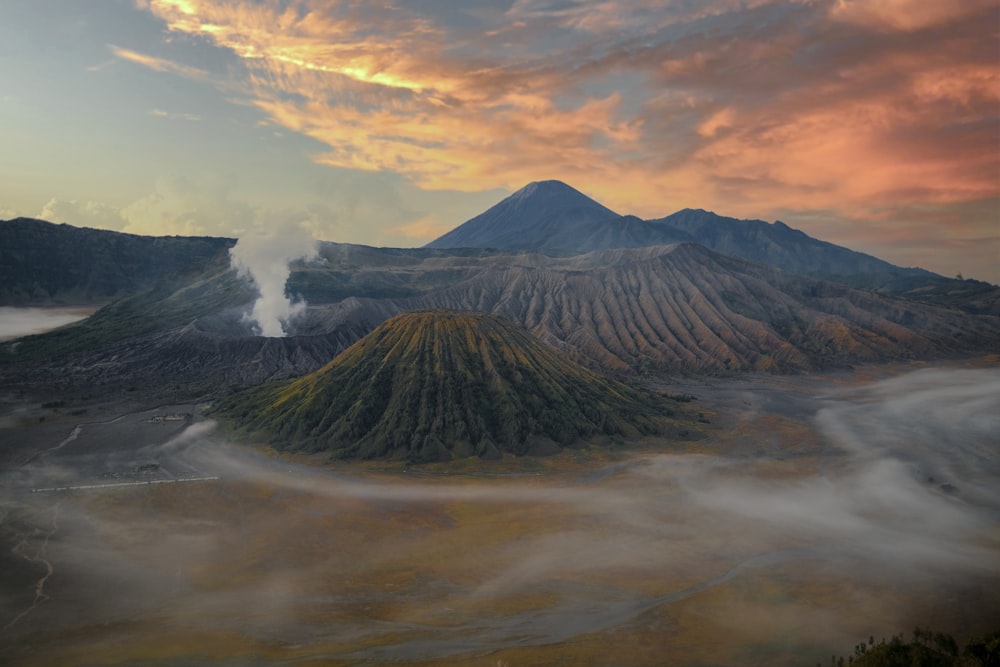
{"x": 817, "y": 511}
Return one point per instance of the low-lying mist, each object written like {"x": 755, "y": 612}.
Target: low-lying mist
{"x": 893, "y": 521}
{"x": 17, "y": 322}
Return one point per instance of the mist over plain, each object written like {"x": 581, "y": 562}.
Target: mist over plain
{"x": 888, "y": 516}
{"x": 17, "y": 322}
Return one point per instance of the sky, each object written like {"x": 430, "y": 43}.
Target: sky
{"x": 873, "y": 124}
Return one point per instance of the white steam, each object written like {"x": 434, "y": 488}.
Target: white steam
{"x": 264, "y": 259}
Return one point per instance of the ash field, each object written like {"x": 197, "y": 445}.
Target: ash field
{"x": 817, "y": 511}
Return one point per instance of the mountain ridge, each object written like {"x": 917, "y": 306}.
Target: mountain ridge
{"x": 44, "y": 263}
{"x": 557, "y": 230}
{"x": 635, "y": 307}
{"x": 663, "y": 309}
{"x": 771, "y": 243}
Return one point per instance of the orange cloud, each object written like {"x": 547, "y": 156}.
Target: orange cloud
{"x": 749, "y": 107}
{"x": 905, "y": 14}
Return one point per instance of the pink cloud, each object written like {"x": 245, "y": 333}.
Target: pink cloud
{"x": 747, "y": 108}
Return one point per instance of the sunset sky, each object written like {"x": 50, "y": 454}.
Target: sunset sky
{"x": 873, "y": 124}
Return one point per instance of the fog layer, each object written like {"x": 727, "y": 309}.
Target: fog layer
{"x": 890, "y": 519}
{"x": 17, "y": 322}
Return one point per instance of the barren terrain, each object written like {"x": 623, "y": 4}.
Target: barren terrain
{"x": 820, "y": 511}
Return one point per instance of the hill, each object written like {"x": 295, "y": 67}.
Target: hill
{"x": 927, "y": 649}
{"x": 42, "y": 263}
{"x": 437, "y": 385}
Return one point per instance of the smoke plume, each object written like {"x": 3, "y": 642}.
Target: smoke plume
{"x": 264, "y": 259}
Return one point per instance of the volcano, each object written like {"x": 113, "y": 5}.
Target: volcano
{"x": 440, "y": 385}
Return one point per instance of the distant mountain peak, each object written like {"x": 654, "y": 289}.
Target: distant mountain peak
{"x": 527, "y": 218}
{"x": 555, "y": 193}
{"x": 545, "y": 188}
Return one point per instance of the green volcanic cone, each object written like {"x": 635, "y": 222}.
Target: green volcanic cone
{"x": 438, "y": 385}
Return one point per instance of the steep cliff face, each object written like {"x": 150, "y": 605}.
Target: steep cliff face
{"x": 437, "y": 385}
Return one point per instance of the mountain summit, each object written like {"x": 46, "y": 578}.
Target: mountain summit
{"x": 553, "y": 218}
{"x": 543, "y": 214}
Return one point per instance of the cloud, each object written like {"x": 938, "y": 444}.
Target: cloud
{"x": 748, "y": 108}
{"x": 906, "y": 15}
{"x": 17, "y": 322}
{"x": 401, "y": 91}
{"x": 852, "y": 537}
{"x": 188, "y": 207}
{"x": 160, "y": 113}
{"x": 82, "y": 213}
{"x": 176, "y": 206}
{"x": 208, "y": 205}
{"x": 422, "y": 230}
{"x": 400, "y": 102}
{"x": 158, "y": 64}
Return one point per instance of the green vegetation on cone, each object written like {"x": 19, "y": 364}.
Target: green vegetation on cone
{"x": 437, "y": 385}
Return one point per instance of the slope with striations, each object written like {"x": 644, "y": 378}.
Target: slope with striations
{"x": 685, "y": 308}
{"x": 437, "y": 385}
